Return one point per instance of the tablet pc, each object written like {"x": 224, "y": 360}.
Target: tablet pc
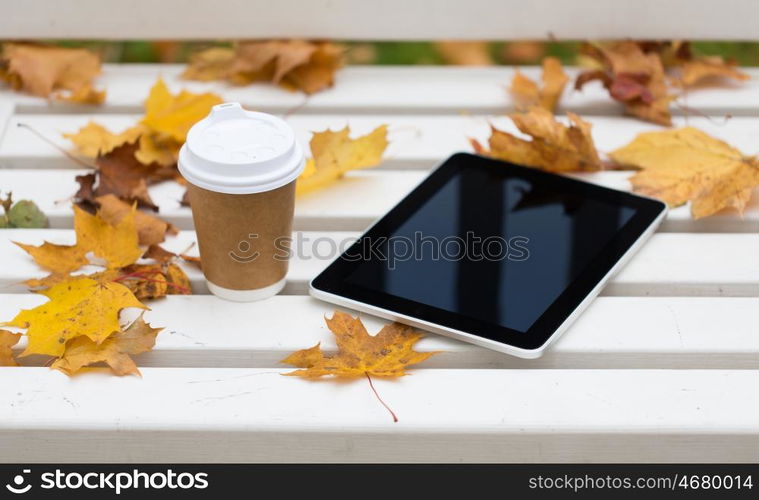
{"x": 496, "y": 254}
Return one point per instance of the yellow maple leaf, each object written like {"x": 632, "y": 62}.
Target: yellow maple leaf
{"x": 359, "y": 354}
{"x": 173, "y": 115}
{"x": 116, "y": 244}
{"x": 689, "y": 165}
{"x": 155, "y": 148}
{"x": 94, "y": 140}
{"x": 527, "y": 94}
{"x": 76, "y": 307}
{"x": 335, "y": 153}
{"x": 59, "y": 259}
{"x": 554, "y": 146}
{"x": 7, "y": 341}
{"x": 115, "y": 351}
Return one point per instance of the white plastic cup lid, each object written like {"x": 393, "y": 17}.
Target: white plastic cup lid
{"x": 236, "y": 151}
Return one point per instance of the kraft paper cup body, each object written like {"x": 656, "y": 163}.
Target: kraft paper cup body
{"x": 241, "y": 168}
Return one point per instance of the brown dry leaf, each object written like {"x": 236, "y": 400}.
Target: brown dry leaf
{"x": 115, "y": 351}
{"x": 293, "y": 64}
{"x": 696, "y": 71}
{"x": 120, "y": 173}
{"x": 48, "y": 71}
{"x": 465, "y": 52}
{"x": 76, "y": 307}
{"x": 554, "y": 146}
{"x": 633, "y": 77}
{"x": 687, "y": 164}
{"x": 335, "y": 153}
{"x": 210, "y": 64}
{"x": 159, "y": 254}
{"x": 7, "y": 341}
{"x": 94, "y": 140}
{"x": 151, "y": 281}
{"x": 527, "y": 94}
{"x": 150, "y": 229}
{"x": 386, "y": 354}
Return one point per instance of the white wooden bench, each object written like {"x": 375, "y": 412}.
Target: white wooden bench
{"x": 663, "y": 367}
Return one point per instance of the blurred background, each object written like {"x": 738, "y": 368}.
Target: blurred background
{"x": 440, "y": 52}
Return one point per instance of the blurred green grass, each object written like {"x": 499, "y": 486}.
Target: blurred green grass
{"x": 402, "y": 53}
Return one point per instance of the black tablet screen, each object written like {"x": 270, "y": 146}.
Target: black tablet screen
{"x": 483, "y": 244}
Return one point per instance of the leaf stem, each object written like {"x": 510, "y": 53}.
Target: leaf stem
{"x": 56, "y": 146}
{"x": 371, "y": 384}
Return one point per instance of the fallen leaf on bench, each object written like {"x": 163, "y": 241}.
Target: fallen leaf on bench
{"x": 150, "y": 281}
{"x": 79, "y": 325}
{"x": 150, "y": 230}
{"x": 78, "y": 307}
{"x": 48, "y": 71}
{"x": 94, "y": 140}
{"x": 115, "y": 351}
{"x": 159, "y": 134}
{"x": 554, "y": 146}
{"x": 172, "y": 116}
{"x": 293, "y": 64}
{"x": 335, "y": 153}
{"x": 159, "y": 254}
{"x": 632, "y": 77}
{"x": 116, "y": 244}
{"x": 687, "y": 164}
{"x": 708, "y": 68}
{"x": 386, "y": 354}
{"x": 689, "y": 69}
{"x": 7, "y": 341}
{"x": 526, "y": 93}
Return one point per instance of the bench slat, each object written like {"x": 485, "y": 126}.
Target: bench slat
{"x": 200, "y": 414}
{"x": 386, "y": 89}
{"x": 389, "y": 20}
{"x": 350, "y": 205}
{"x": 615, "y": 332}
{"x": 670, "y": 264}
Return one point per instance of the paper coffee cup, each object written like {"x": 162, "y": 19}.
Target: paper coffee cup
{"x": 241, "y": 167}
